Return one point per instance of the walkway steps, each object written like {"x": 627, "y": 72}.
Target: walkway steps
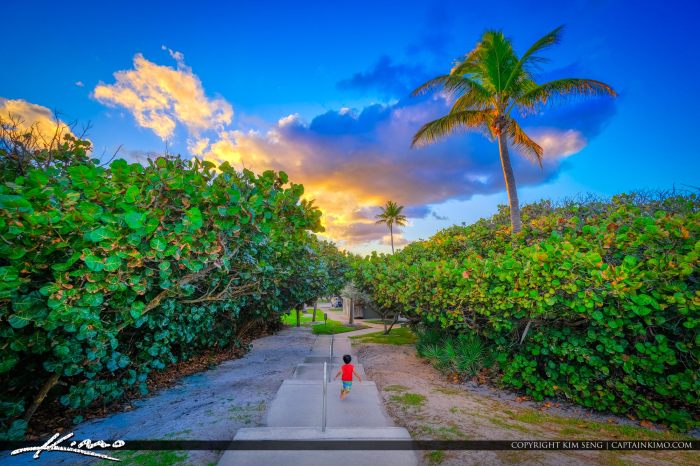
{"x": 320, "y": 457}
{"x": 299, "y": 404}
{"x": 296, "y": 414}
{"x": 315, "y": 371}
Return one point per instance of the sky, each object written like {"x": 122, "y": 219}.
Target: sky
{"x": 321, "y": 90}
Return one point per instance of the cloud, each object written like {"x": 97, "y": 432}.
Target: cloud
{"x": 160, "y": 97}
{"x": 416, "y": 211}
{"x": 558, "y": 143}
{"x": 387, "y": 78}
{"x": 399, "y": 240}
{"x": 79, "y": 84}
{"x": 353, "y": 161}
{"x": 28, "y": 115}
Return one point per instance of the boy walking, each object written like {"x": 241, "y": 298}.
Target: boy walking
{"x": 346, "y": 370}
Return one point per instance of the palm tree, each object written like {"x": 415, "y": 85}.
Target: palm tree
{"x": 391, "y": 215}
{"x": 487, "y": 84}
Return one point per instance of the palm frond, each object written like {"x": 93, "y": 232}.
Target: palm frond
{"x": 523, "y": 142}
{"x": 560, "y": 89}
{"x": 451, "y": 84}
{"x": 391, "y": 214}
{"x": 469, "y": 64}
{"x": 434, "y": 130}
{"x": 400, "y": 220}
{"x": 530, "y": 57}
{"x": 475, "y": 98}
{"x": 432, "y": 84}
{"x": 497, "y": 59}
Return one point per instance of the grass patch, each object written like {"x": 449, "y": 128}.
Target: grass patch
{"x": 244, "y": 414}
{"x": 506, "y": 425}
{"x": 148, "y": 458}
{"x": 450, "y": 432}
{"x": 291, "y": 318}
{"x": 180, "y": 434}
{"x": 397, "y": 336}
{"x": 395, "y": 388}
{"x": 332, "y": 327}
{"x": 449, "y": 391}
{"x": 435, "y": 457}
{"x": 409, "y": 399}
{"x": 615, "y": 430}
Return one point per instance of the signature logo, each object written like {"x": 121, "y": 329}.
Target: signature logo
{"x": 82, "y": 448}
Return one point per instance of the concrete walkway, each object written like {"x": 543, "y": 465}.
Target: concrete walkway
{"x": 296, "y": 414}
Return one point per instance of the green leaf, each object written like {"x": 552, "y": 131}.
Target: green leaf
{"x": 137, "y": 308}
{"x": 159, "y": 244}
{"x": 94, "y": 263}
{"x": 93, "y": 300}
{"x": 9, "y": 202}
{"x": 131, "y": 194}
{"x": 100, "y": 234}
{"x": 193, "y": 219}
{"x": 134, "y": 220}
{"x": 61, "y": 350}
{"x": 7, "y": 361}
{"x": 112, "y": 263}
{"x": 8, "y": 274}
{"x": 17, "y": 321}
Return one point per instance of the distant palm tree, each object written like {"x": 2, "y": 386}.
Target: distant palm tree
{"x": 391, "y": 215}
{"x": 488, "y": 83}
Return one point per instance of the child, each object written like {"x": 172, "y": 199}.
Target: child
{"x": 347, "y": 370}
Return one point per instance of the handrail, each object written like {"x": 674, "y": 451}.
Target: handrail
{"x": 325, "y": 396}
{"x": 330, "y": 359}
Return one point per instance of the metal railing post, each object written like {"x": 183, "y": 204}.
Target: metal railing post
{"x": 330, "y": 360}
{"x": 325, "y": 396}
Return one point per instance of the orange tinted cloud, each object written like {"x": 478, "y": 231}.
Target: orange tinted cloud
{"x": 349, "y": 161}
{"x": 159, "y": 97}
{"x": 28, "y": 115}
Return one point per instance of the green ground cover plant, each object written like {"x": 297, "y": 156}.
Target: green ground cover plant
{"x": 331, "y": 327}
{"x": 291, "y": 319}
{"x": 594, "y": 301}
{"x": 397, "y": 336}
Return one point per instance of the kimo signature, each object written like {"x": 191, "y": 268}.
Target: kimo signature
{"x": 53, "y": 444}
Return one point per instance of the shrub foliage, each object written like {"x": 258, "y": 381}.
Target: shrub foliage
{"x": 596, "y": 302}
{"x": 109, "y": 273}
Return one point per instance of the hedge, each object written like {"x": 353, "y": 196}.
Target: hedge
{"x": 110, "y": 273}
{"x": 597, "y": 303}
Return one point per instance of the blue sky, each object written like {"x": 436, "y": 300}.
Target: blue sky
{"x": 344, "y": 71}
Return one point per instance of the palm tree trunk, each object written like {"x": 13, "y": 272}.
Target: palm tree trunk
{"x": 515, "y": 222}
{"x": 391, "y": 233}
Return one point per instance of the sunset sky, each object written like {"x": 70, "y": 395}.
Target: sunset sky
{"x": 322, "y": 91}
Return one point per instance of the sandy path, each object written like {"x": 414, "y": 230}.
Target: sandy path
{"x": 451, "y": 412}
{"x": 211, "y": 405}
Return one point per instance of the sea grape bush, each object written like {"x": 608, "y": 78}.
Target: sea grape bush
{"x": 597, "y": 303}
{"x": 109, "y": 273}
